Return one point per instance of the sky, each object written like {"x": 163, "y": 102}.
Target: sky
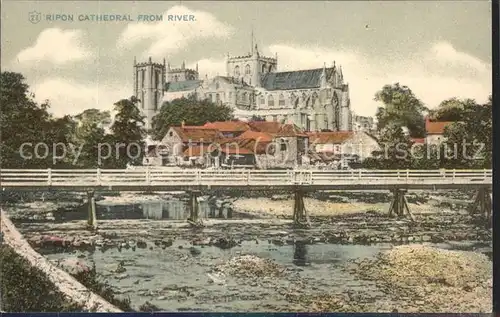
{"x": 439, "y": 49}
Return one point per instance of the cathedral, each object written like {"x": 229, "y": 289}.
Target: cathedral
{"x": 313, "y": 99}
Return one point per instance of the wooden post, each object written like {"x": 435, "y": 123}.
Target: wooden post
{"x": 399, "y": 204}
{"x": 92, "y": 216}
{"x": 193, "y": 206}
{"x": 482, "y": 204}
{"x": 299, "y": 210}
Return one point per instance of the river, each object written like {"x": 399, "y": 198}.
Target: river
{"x": 180, "y": 276}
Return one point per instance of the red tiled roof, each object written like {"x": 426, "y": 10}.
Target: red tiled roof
{"x": 418, "y": 140}
{"x": 265, "y": 126}
{"x": 254, "y": 135}
{"x": 244, "y": 146}
{"x": 197, "y": 134}
{"x": 228, "y": 126}
{"x": 276, "y": 128}
{"x": 329, "y": 137}
{"x": 436, "y": 127}
{"x": 197, "y": 150}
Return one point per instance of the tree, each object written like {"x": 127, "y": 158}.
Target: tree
{"x": 450, "y": 110}
{"x": 190, "y": 111}
{"x": 395, "y": 152}
{"x": 470, "y": 139}
{"x": 401, "y": 108}
{"x": 257, "y": 118}
{"x": 127, "y": 141}
{"x": 89, "y": 133}
{"x": 23, "y": 121}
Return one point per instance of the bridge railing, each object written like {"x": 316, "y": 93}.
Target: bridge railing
{"x": 156, "y": 176}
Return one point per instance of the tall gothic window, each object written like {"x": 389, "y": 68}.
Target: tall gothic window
{"x": 282, "y": 100}
{"x": 314, "y": 97}
{"x": 262, "y": 100}
{"x": 270, "y": 101}
{"x": 263, "y": 68}
{"x": 156, "y": 101}
{"x": 217, "y": 98}
{"x": 237, "y": 71}
{"x": 244, "y": 97}
{"x": 270, "y": 68}
{"x": 157, "y": 79}
{"x": 143, "y": 77}
{"x": 247, "y": 70}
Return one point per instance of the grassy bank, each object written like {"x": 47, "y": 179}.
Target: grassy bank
{"x": 27, "y": 289}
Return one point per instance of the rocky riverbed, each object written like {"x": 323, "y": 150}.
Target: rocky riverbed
{"x": 248, "y": 256}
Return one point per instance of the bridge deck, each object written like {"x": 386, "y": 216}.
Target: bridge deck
{"x": 159, "y": 179}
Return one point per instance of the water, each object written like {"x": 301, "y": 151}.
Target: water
{"x": 176, "y": 279}
{"x": 174, "y": 209}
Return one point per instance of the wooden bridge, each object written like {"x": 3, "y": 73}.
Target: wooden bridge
{"x": 300, "y": 181}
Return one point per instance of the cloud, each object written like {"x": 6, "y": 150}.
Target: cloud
{"x": 446, "y": 54}
{"x": 167, "y": 37}
{"x": 56, "y": 46}
{"x": 71, "y": 97}
{"x": 209, "y": 67}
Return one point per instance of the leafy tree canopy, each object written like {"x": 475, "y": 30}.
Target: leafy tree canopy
{"x": 190, "y": 111}
{"x": 402, "y": 108}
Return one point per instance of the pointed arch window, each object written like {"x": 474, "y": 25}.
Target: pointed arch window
{"x": 217, "y": 98}
{"x": 270, "y": 101}
{"x": 247, "y": 70}
{"x": 237, "y": 71}
{"x": 314, "y": 97}
{"x": 270, "y": 69}
{"x": 263, "y": 68}
{"x": 262, "y": 100}
{"x": 244, "y": 97}
{"x": 282, "y": 100}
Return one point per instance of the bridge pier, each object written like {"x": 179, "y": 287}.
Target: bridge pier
{"x": 92, "y": 216}
{"x": 482, "y": 204}
{"x": 299, "y": 209}
{"x": 399, "y": 204}
{"x": 194, "y": 206}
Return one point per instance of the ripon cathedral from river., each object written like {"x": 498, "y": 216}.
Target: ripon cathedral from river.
{"x": 313, "y": 99}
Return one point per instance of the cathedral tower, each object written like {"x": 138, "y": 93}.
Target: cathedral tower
{"x": 249, "y": 68}
{"x": 149, "y": 80}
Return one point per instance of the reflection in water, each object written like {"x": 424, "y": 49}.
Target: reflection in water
{"x": 155, "y": 210}
{"x": 300, "y": 254}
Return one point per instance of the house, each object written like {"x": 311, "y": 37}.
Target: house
{"x": 289, "y": 143}
{"x": 418, "y": 140}
{"x": 229, "y": 129}
{"x": 435, "y": 131}
{"x": 337, "y": 146}
{"x": 179, "y": 141}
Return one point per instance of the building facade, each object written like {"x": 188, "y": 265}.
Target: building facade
{"x": 313, "y": 99}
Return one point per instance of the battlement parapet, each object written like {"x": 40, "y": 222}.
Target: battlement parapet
{"x": 149, "y": 64}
